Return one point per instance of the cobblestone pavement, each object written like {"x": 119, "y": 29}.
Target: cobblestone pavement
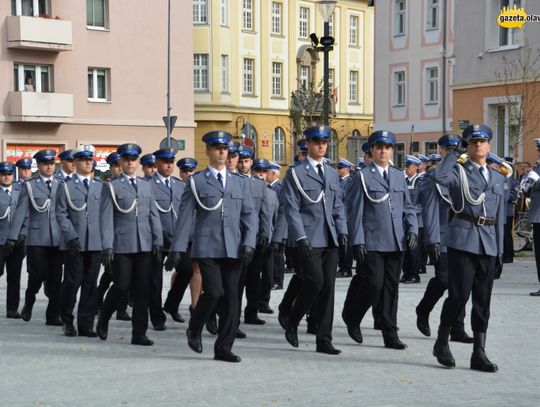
{"x": 41, "y": 367}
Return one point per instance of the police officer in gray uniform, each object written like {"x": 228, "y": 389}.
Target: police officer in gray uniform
{"x": 435, "y": 201}
{"x": 78, "y": 214}
{"x": 382, "y": 223}
{"x": 9, "y": 195}
{"x": 219, "y": 203}
{"x": 131, "y": 234}
{"x": 316, "y": 220}
{"x": 35, "y": 213}
{"x": 475, "y": 242}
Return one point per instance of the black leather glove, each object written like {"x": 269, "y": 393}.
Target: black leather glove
{"x": 460, "y": 148}
{"x": 343, "y": 241}
{"x": 73, "y": 246}
{"x": 172, "y": 260}
{"x": 262, "y": 241}
{"x": 246, "y": 255}
{"x": 9, "y": 246}
{"x": 305, "y": 247}
{"x": 499, "y": 262}
{"x": 157, "y": 251}
{"x": 412, "y": 241}
{"x": 360, "y": 252}
{"x": 21, "y": 241}
{"x": 274, "y": 247}
{"x": 107, "y": 257}
{"x": 434, "y": 252}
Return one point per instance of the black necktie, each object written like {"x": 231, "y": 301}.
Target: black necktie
{"x": 132, "y": 180}
{"x": 220, "y": 179}
{"x": 68, "y": 177}
{"x": 85, "y": 182}
{"x": 408, "y": 181}
{"x": 321, "y": 173}
{"x": 385, "y": 175}
{"x": 482, "y": 174}
{"x": 48, "y": 182}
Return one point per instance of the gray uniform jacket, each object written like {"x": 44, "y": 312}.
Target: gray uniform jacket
{"x": 534, "y": 194}
{"x": 436, "y": 210}
{"x": 383, "y": 226}
{"x": 260, "y": 194}
{"x": 168, "y": 204}
{"x": 273, "y": 203}
{"x": 8, "y": 201}
{"x": 80, "y": 224}
{"x": 218, "y": 233}
{"x": 513, "y": 190}
{"x": 463, "y": 234}
{"x": 321, "y": 222}
{"x": 42, "y": 226}
{"x": 276, "y": 187}
{"x": 413, "y": 194}
{"x": 133, "y": 232}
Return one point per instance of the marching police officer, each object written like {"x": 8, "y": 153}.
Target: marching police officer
{"x": 131, "y": 233}
{"x": 9, "y": 194}
{"x": 67, "y": 166}
{"x": 35, "y": 215}
{"x": 436, "y": 204}
{"x": 317, "y": 224}
{"x": 78, "y": 215}
{"x": 220, "y": 205}
{"x": 382, "y": 224}
{"x": 274, "y": 183}
{"x": 148, "y": 163}
{"x": 475, "y": 242}
{"x": 24, "y": 166}
{"x": 344, "y": 168}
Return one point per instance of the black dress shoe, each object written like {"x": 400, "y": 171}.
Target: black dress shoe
{"x": 328, "y": 348}
{"x": 102, "y": 329}
{"x": 13, "y": 314}
{"x": 54, "y": 322}
{"x": 535, "y": 294}
{"x": 291, "y": 334}
{"x": 211, "y": 325}
{"x": 141, "y": 340}
{"x": 459, "y": 335}
{"x": 160, "y": 327}
{"x": 123, "y": 316}
{"x": 88, "y": 332}
{"x": 391, "y": 341}
{"x": 355, "y": 333}
{"x": 265, "y": 309}
{"x": 254, "y": 321}
{"x": 227, "y": 357}
{"x": 69, "y": 330}
{"x": 312, "y": 329}
{"x": 479, "y": 361}
{"x": 174, "y": 315}
{"x": 26, "y": 313}
{"x": 194, "y": 342}
{"x": 277, "y": 287}
{"x": 283, "y": 319}
{"x": 422, "y": 323}
{"x": 240, "y": 334}
{"x": 442, "y": 352}
{"x": 410, "y": 280}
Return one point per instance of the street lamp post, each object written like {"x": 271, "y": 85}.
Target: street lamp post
{"x": 326, "y": 8}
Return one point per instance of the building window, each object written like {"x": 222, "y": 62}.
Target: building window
{"x": 31, "y": 8}
{"x": 400, "y": 88}
{"x": 278, "y": 145}
{"x": 331, "y": 25}
{"x": 33, "y": 78}
{"x": 353, "y": 30}
{"x": 200, "y": 11}
{"x": 225, "y": 73}
{"x": 331, "y": 80}
{"x": 432, "y": 85}
{"x": 276, "y": 18}
{"x": 200, "y": 72}
{"x": 430, "y": 147}
{"x": 353, "y": 86}
{"x": 400, "y": 15}
{"x": 248, "y": 76}
{"x": 509, "y": 36}
{"x": 432, "y": 21}
{"x": 224, "y": 12}
{"x": 248, "y": 14}
{"x": 97, "y": 83}
{"x": 399, "y": 155}
{"x": 276, "y": 79}
{"x": 303, "y": 30}
{"x": 305, "y": 79}
{"x": 333, "y": 147}
{"x": 96, "y": 13}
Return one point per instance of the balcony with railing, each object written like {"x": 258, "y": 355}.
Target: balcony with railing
{"x": 40, "y": 107}
{"x": 39, "y": 33}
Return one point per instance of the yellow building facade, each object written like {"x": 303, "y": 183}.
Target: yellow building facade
{"x": 250, "y": 55}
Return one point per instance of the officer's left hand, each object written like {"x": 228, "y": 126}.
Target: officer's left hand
{"x": 343, "y": 241}
{"x": 73, "y": 246}
{"x": 434, "y": 252}
{"x": 262, "y": 241}
{"x": 412, "y": 240}
{"x": 21, "y": 241}
{"x": 499, "y": 265}
{"x": 9, "y": 246}
{"x": 157, "y": 251}
{"x": 246, "y": 255}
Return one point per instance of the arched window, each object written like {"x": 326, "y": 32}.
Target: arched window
{"x": 333, "y": 147}
{"x": 249, "y": 136}
{"x": 278, "y": 145}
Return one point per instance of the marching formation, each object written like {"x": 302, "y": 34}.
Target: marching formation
{"x": 229, "y": 228}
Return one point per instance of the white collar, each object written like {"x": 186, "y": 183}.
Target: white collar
{"x": 381, "y": 169}
{"x": 162, "y": 178}
{"x": 65, "y": 174}
{"x": 273, "y": 182}
{"x": 10, "y": 188}
{"x": 129, "y": 178}
{"x": 314, "y": 163}
{"x": 45, "y": 179}
{"x": 82, "y": 177}
{"x": 215, "y": 172}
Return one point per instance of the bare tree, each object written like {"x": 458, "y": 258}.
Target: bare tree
{"x": 520, "y": 79}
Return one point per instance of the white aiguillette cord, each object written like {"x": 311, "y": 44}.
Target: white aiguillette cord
{"x": 41, "y": 209}
{"x": 206, "y": 208}
{"x": 380, "y": 200}
{"x": 124, "y": 211}
{"x": 302, "y": 192}
{"x": 70, "y": 203}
